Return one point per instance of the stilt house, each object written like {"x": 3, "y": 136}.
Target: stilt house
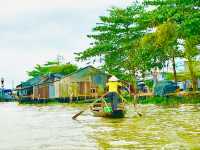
{"x": 84, "y": 83}
{"x": 45, "y": 89}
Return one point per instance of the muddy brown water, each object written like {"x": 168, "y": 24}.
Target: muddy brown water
{"x": 25, "y": 127}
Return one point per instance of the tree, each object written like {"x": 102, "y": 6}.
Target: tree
{"x": 52, "y": 67}
{"x": 184, "y": 14}
{"x": 163, "y": 44}
{"x": 191, "y": 51}
{"x": 145, "y": 36}
{"x": 117, "y": 38}
{"x": 114, "y": 38}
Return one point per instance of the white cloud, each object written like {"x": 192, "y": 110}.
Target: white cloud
{"x": 34, "y": 31}
{"x": 16, "y": 7}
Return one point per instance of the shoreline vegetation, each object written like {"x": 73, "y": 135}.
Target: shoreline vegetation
{"x": 171, "y": 101}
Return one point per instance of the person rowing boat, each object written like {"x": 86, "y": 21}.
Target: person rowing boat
{"x": 113, "y": 104}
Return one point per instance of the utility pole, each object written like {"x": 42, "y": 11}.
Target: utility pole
{"x": 2, "y": 82}
{"x": 60, "y": 59}
{"x": 2, "y": 87}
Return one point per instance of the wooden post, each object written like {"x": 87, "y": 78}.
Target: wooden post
{"x": 85, "y": 90}
{"x": 90, "y": 81}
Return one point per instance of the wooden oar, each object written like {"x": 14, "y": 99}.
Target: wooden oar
{"x": 78, "y": 114}
{"x": 136, "y": 110}
{"x": 82, "y": 111}
{"x": 139, "y": 114}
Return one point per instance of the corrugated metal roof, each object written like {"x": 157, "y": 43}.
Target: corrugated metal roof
{"x": 30, "y": 82}
{"x": 50, "y": 78}
{"x": 53, "y": 77}
{"x": 82, "y": 69}
{"x": 40, "y": 80}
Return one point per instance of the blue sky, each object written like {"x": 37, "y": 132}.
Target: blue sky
{"x": 35, "y": 31}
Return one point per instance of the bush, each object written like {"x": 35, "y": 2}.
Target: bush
{"x": 170, "y": 100}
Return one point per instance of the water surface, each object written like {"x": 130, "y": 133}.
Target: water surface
{"x": 25, "y": 127}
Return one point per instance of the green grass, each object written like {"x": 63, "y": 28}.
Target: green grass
{"x": 170, "y": 101}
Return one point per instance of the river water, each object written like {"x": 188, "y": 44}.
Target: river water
{"x": 25, "y": 127}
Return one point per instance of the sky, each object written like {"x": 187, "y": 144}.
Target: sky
{"x": 35, "y": 31}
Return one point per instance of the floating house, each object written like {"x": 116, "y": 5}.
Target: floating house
{"x": 25, "y": 89}
{"x": 45, "y": 89}
{"x": 84, "y": 83}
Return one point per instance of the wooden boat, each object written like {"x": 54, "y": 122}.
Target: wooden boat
{"x": 99, "y": 110}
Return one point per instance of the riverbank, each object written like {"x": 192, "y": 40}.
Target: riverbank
{"x": 169, "y": 101}
{"x": 164, "y": 101}
{"x": 7, "y": 100}
{"x": 54, "y": 100}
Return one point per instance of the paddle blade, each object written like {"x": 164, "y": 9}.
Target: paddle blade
{"x": 78, "y": 114}
{"x": 139, "y": 114}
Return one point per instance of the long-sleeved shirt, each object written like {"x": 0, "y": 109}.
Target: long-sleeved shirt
{"x": 113, "y": 86}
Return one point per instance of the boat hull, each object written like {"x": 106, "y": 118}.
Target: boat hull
{"x": 113, "y": 114}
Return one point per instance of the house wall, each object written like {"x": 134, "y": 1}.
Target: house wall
{"x": 51, "y": 91}
{"x": 41, "y": 91}
{"x": 35, "y": 92}
{"x": 64, "y": 87}
{"x": 57, "y": 89}
{"x": 87, "y": 82}
{"x": 83, "y": 83}
{"x": 26, "y": 92}
{"x": 100, "y": 81}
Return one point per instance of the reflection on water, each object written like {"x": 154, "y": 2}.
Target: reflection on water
{"x": 51, "y": 128}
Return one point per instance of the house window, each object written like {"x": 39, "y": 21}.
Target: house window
{"x": 93, "y": 90}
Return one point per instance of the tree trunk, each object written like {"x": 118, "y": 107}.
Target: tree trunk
{"x": 193, "y": 75}
{"x": 133, "y": 83}
{"x": 194, "y": 83}
{"x": 174, "y": 69}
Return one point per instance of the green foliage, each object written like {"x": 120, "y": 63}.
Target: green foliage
{"x": 52, "y": 67}
{"x": 144, "y": 36}
{"x": 50, "y": 63}
{"x": 113, "y": 38}
{"x": 184, "y": 14}
{"x": 168, "y": 76}
{"x": 149, "y": 83}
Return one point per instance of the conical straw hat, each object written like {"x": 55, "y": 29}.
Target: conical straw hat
{"x": 113, "y": 78}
